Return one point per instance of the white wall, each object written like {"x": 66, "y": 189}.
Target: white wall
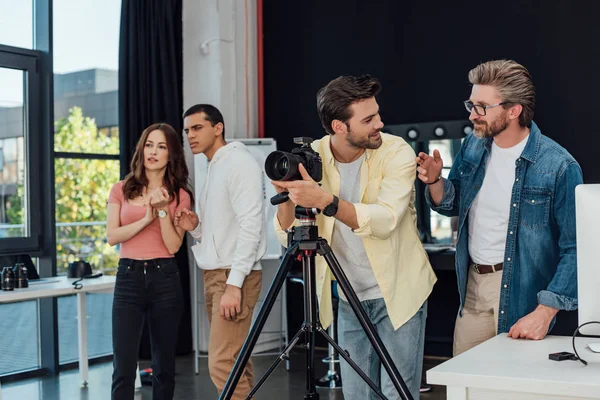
{"x": 220, "y": 61}
{"x": 220, "y": 68}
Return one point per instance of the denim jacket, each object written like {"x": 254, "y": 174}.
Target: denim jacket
{"x": 540, "y": 260}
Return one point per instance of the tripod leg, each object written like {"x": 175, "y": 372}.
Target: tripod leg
{"x": 283, "y": 356}
{"x": 364, "y": 320}
{"x": 359, "y": 371}
{"x": 311, "y": 320}
{"x": 261, "y": 319}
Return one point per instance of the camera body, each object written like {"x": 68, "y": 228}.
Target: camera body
{"x": 283, "y": 166}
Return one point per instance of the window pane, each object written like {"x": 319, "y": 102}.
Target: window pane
{"x": 82, "y": 188}
{"x": 86, "y": 121}
{"x": 19, "y": 332}
{"x": 86, "y": 72}
{"x": 77, "y": 133}
{"x": 13, "y": 188}
{"x": 99, "y": 326}
{"x": 16, "y": 23}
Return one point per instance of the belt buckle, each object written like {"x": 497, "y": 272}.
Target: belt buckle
{"x": 476, "y": 266}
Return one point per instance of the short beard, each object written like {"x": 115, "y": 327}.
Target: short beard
{"x": 366, "y": 143}
{"x": 484, "y": 130}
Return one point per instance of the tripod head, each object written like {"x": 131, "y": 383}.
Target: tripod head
{"x": 306, "y": 215}
{"x": 308, "y": 230}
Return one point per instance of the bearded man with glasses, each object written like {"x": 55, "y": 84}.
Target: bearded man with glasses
{"x": 513, "y": 190}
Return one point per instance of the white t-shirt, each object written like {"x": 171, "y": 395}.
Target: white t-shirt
{"x": 490, "y": 211}
{"x": 346, "y": 245}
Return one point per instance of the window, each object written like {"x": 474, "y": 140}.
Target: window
{"x": 19, "y": 177}
{"x": 16, "y": 23}
{"x": 99, "y": 315}
{"x": 13, "y": 212}
{"x": 86, "y": 155}
{"x": 82, "y": 187}
{"x": 20, "y": 219}
{"x": 19, "y": 327}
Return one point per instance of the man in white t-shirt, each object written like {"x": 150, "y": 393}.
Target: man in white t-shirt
{"x": 513, "y": 190}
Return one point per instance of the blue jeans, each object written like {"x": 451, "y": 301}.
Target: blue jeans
{"x": 404, "y": 345}
{"x": 148, "y": 290}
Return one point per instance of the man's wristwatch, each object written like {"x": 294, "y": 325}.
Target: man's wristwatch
{"x": 332, "y": 208}
{"x": 162, "y": 213}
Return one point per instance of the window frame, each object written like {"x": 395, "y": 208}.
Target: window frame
{"x": 28, "y": 61}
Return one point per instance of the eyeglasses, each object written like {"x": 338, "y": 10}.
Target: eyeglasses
{"x": 479, "y": 109}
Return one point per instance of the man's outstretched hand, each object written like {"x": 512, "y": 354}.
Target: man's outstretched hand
{"x": 186, "y": 220}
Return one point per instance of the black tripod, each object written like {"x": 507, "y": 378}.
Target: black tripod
{"x": 304, "y": 243}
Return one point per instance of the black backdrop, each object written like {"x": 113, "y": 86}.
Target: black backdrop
{"x": 151, "y": 91}
{"x": 422, "y": 51}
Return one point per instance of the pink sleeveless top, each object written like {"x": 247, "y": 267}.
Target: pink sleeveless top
{"x": 148, "y": 243}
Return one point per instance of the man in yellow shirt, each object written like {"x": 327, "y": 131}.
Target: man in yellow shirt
{"x": 367, "y": 194}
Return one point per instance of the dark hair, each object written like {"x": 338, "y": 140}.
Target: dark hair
{"x": 212, "y": 113}
{"x": 335, "y": 99}
{"x": 176, "y": 175}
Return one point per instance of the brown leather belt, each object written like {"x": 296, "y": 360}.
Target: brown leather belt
{"x": 486, "y": 269}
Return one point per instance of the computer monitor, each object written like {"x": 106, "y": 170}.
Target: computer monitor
{"x": 587, "y": 211}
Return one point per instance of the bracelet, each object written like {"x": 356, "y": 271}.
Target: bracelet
{"x": 436, "y": 181}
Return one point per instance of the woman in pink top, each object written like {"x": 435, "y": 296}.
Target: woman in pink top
{"x": 140, "y": 213}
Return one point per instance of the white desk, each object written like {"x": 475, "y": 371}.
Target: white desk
{"x": 62, "y": 286}
{"x": 504, "y": 368}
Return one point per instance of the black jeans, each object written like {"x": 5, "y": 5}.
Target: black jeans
{"x": 146, "y": 289}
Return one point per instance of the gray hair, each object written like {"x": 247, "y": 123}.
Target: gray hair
{"x": 513, "y": 82}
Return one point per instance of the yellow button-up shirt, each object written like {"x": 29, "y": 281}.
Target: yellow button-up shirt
{"x": 387, "y": 225}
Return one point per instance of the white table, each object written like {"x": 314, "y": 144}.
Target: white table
{"x": 504, "y": 368}
{"x": 62, "y": 286}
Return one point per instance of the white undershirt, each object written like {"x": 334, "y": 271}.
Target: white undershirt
{"x": 490, "y": 211}
{"x": 347, "y": 246}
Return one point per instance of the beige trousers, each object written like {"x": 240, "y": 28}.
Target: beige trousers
{"x": 479, "y": 321}
{"x": 227, "y": 337}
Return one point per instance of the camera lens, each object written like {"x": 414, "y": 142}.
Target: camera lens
{"x": 21, "y": 280}
{"x": 282, "y": 166}
{"x": 8, "y": 279}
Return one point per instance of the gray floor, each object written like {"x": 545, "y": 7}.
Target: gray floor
{"x": 282, "y": 385}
